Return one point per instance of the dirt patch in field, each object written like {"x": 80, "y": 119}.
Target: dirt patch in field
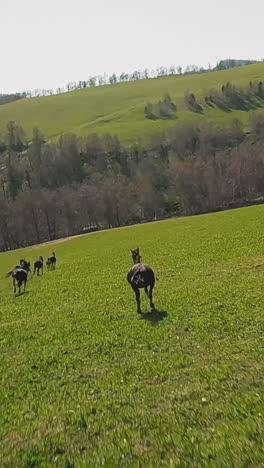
{"x": 64, "y": 239}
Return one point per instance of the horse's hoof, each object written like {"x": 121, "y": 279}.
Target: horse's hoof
{"x": 139, "y": 312}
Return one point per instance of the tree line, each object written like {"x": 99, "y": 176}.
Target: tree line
{"x": 52, "y": 190}
{"x": 101, "y": 80}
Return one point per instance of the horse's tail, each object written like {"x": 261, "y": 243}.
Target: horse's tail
{"x": 9, "y": 274}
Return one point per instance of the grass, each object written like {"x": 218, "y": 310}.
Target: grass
{"x": 119, "y": 109}
{"x": 88, "y": 382}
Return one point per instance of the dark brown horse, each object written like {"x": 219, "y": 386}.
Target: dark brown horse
{"x": 141, "y": 276}
{"x": 38, "y": 266}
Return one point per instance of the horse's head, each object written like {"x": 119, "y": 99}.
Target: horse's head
{"x": 53, "y": 253}
{"x": 41, "y": 258}
{"x": 136, "y": 255}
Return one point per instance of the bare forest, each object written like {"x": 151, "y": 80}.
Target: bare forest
{"x": 50, "y": 190}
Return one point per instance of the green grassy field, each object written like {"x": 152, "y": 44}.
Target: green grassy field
{"x": 86, "y": 381}
{"x": 119, "y": 109}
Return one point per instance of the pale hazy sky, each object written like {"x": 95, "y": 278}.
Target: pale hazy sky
{"x": 47, "y": 43}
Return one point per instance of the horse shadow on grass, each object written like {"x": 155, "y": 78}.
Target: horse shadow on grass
{"x": 154, "y": 316}
{"x": 21, "y": 294}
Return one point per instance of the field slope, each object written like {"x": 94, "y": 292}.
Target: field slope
{"x": 88, "y": 382}
{"x": 119, "y": 109}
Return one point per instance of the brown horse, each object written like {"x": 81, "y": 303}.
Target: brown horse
{"x": 141, "y": 276}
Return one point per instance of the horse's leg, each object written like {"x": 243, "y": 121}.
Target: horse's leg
{"x": 34, "y": 271}
{"x": 25, "y": 285}
{"x": 14, "y": 285}
{"x": 146, "y": 291}
{"x": 150, "y": 297}
{"x": 137, "y": 293}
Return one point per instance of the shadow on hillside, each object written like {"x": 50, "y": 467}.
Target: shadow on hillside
{"x": 155, "y": 316}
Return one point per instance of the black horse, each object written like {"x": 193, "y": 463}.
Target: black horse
{"x": 51, "y": 262}
{"x": 20, "y": 275}
{"x": 141, "y": 276}
{"x": 38, "y": 266}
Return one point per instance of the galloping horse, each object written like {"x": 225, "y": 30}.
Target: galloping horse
{"x": 20, "y": 275}
{"x": 38, "y": 266}
{"x": 51, "y": 262}
{"x": 141, "y": 276}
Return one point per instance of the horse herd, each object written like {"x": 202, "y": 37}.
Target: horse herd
{"x": 139, "y": 276}
{"x": 19, "y": 273}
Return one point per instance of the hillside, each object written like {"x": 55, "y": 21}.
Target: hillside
{"x": 119, "y": 109}
{"x": 88, "y": 382}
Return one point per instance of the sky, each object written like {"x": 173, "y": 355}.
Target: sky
{"x": 48, "y": 43}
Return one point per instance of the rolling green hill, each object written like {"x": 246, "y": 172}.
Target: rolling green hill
{"x": 86, "y": 381}
{"x": 119, "y": 109}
